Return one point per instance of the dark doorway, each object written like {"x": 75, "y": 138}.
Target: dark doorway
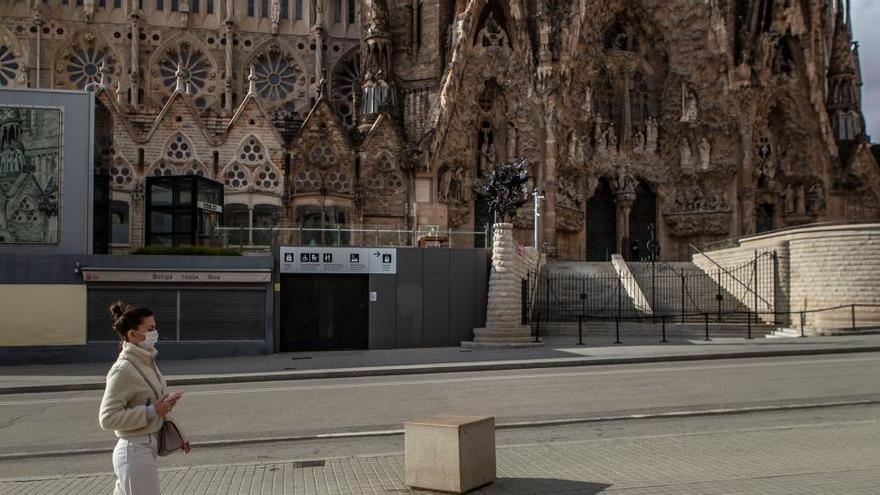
{"x": 324, "y": 312}
{"x": 601, "y": 223}
{"x": 642, "y": 216}
{"x": 764, "y": 218}
{"x": 482, "y": 220}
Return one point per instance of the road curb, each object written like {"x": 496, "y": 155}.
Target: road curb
{"x": 692, "y": 413}
{"x": 441, "y": 368}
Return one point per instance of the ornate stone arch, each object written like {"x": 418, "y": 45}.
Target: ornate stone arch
{"x": 179, "y": 149}
{"x": 236, "y": 177}
{"x": 12, "y": 60}
{"x": 122, "y": 174}
{"x": 282, "y": 75}
{"x": 252, "y": 151}
{"x": 345, "y": 85}
{"x": 162, "y": 168}
{"x": 79, "y": 59}
{"x": 199, "y": 70}
{"x": 268, "y": 177}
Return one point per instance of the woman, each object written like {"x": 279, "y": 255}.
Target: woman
{"x": 130, "y": 406}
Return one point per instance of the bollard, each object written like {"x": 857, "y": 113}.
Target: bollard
{"x": 750, "y": 326}
{"x": 663, "y": 328}
{"x": 853, "y": 316}
{"x": 617, "y": 329}
{"x": 706, "y": 319}
{"x": 538, "y": 327}
{"x": 580, "y": 330}
{"x": 803, "y": 317}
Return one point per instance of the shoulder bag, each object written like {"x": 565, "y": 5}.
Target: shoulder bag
{"x": 170, "y": 438}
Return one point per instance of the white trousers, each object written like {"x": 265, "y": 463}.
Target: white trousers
{"x": 134, "y": 462}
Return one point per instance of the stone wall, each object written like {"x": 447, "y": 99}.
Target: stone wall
{"x": 817, "y": 267}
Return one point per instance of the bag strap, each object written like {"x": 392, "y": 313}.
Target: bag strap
{"x": 158, "y": 397}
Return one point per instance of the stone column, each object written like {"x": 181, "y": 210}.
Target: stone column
{"x": 624, "y": 202}
{"x": 134, "y": 62}
{"x": 504, "y": 326}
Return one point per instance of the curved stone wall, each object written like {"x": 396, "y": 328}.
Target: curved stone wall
{"x": 818, "y": 267}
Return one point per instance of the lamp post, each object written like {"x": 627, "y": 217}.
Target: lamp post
{"x": 537, "y": 198}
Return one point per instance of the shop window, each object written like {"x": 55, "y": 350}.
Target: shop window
{"x": 120, "y": 226}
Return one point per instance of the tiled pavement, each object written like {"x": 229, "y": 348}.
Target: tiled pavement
{"x": 803, "y": 460}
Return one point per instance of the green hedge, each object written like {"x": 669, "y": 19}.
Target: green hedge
{"x": 187, "y": 251}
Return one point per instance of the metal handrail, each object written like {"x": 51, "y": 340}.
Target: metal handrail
{"x": 725, "y": 270}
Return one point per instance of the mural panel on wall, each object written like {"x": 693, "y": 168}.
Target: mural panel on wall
{"x": 30, "y": 171}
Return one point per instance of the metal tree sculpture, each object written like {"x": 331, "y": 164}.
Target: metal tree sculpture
{"x": 504, "y": 187}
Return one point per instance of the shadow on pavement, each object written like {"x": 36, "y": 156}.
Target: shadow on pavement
{"x": 548, "y": 486}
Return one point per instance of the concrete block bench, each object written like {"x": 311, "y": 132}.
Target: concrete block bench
{"x": 453, "y": 454}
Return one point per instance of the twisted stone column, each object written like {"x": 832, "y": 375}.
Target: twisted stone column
{"x": 503, "y": 313}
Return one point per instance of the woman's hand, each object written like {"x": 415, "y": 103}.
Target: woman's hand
{"x": 186, "y": 447}
{"x": 166, "y": 404}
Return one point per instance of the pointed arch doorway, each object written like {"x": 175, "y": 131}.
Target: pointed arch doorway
{"x": 642, "y": 216}
{"x": 601, "y": 223}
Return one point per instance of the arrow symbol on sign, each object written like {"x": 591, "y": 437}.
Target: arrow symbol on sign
{"x": 377, "y": 254}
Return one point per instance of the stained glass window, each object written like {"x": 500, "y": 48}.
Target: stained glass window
{"x": 8, "y": 66}
{"x": 84, "y": 66}
{"x": 193, "y": 65}
{"x": 275, "y": 76}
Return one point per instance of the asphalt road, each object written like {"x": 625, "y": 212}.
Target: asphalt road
{"x": 68, "y": 421}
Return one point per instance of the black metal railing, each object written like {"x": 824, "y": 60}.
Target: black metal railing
{"x": 651, "y": 289}
{"x": 706, "y": 328}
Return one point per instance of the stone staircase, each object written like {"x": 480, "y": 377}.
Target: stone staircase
{"x": 559, "y": 289}
{"x": 647, "y": 331}
{"x": 699, "y": 296}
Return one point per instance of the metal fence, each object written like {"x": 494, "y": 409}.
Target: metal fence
{"x": 653, "y": 290}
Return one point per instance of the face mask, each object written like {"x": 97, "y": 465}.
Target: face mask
{"x": 150, "y": 339}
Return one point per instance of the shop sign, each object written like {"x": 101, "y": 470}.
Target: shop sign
{"x": 169, "y": 276}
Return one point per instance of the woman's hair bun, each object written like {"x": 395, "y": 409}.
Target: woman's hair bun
{"x": 117, "y": 309}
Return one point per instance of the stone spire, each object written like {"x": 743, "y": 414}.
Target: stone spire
{"x": 843, "y": 96}
{"x": 376, "y": 64}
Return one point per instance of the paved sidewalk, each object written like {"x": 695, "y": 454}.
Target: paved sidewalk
{"x": 556, "y": 352}
{"x": 842, "y": 457}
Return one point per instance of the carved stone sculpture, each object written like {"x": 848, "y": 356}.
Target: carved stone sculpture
{"x": 705, "y": 154}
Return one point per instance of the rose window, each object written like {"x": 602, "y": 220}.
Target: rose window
{"x": 252, "y": 151}
{"x": 163, "y": 169}
{"x": 193, "y": 67}
{"x": 121, "y": 175}
{"x": 346, "y": 81}
{"x": 179, "y": 149}
{"x": 267, "y": 178}
{"x": 337, "y": 181}
{"x": 195, "y": 169}
{"x": 8, "y": 66}
{"x": 323, "y": 155}
{"x": 84, "y": 66}
{"x": 275, "y": 76}
{"x": 307, "y": 181}
{"x": 236, "y": 177}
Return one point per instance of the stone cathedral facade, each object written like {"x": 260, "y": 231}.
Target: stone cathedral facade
{"x": 691, "y": 121}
